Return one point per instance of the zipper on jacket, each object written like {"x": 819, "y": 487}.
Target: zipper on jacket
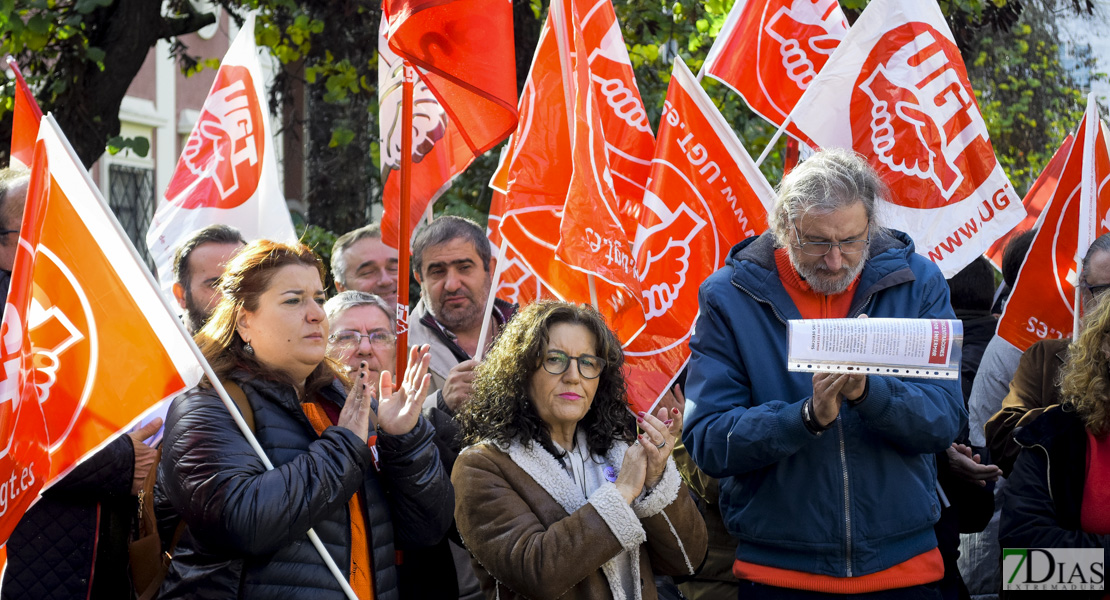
{"x": 759, "y": 300}
{"x": 847, "y": 499}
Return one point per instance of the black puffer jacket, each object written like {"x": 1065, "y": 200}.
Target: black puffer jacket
{"x": 246, "y": 528}
{"x": 81, "y": 521}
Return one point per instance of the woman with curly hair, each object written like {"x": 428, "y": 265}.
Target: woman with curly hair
{"x": 557, "y": 495}
{"x": 1058, "y": 495}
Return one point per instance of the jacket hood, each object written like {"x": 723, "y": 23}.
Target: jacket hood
{"x": 754, "y": 270}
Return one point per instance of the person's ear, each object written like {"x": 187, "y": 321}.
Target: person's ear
{"x": 179, "y": 295}
{"x": 243, "y": 325}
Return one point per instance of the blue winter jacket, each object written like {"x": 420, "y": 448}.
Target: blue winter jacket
{"x": 855, "y": 499}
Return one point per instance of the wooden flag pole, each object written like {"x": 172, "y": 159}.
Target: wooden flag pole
{"x": 403, "y": 228}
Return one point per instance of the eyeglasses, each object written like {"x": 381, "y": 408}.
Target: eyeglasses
{"x": 351, "y": 339}
{"x": 1095, "y": 290}
{"x": 589, "y": 366}
{"x": 823, "y": 248}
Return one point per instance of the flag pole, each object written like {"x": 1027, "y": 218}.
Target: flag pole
{"x": 771, "y": 144}
{"x": 212, "y": 378}
{"x": 1087, "y": 200}
{"x": 403, "y": 228}
{"x": 497, "y": 273}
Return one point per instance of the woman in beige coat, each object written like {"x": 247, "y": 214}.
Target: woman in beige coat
{"x": 557, "y": 496}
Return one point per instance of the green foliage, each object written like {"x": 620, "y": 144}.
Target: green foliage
{"x": 320, "y": 240}
{"x": 139, "y": 145}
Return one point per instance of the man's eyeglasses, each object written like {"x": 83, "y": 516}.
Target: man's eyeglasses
{"x": 351, "y": 339}
{"x": 823, "y": 248}
{"x": 1095, "y": 290}
{"x": 589, "y": 366}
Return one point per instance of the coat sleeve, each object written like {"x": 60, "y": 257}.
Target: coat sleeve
{"x": 724, "y": 432}
{"x": 1028, "y": 514}
{"x": 108, "y": 473}
{"x": 511, "y": 543}
{"x": 1021, "y": 405}
{"x": 422, "y": 499}
{"x": 918, "y": 416}
{"x": 228, "y": 498}
{"x": 676, "y": 536}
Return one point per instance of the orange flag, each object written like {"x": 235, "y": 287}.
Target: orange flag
{"x": 1042, "y": 303}
{"x": 100, "y": 346}
{"x": 517, "y": 283}
{"x": 705, "y": 195}
{"x": 545, "y": 156}
{"x": 1035, "y": 201}
{"x": 463, "y": 51}
{"x": 439, "y": 151}
{"x": 25, "y": 121}
{"x": 770, "y": 50}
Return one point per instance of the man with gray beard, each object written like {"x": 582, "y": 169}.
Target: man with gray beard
{"x": 828, "y": 481}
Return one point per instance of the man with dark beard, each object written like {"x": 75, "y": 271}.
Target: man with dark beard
{"x": 828, "y": 481}
{"x": 452, "y": 261}
{"x": 198, "y": 264}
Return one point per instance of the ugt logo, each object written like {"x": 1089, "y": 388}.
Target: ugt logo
{"x": 806, "y": 32}
{"x": 913, "y": 109}
{"x": 222, "y": 160}
{"x": 1053, "y": 569}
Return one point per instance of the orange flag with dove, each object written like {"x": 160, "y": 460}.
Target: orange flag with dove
{"x": 1035, "y": 200}
{"x": 896, "y": 91}
{"x": 103, "y": 347}
{"x": 25, "y": 121}
{"x": 546, "y": 157}
{"x": 1042, "y": 304}
{"x": 705, "y": 195}
{"x": 768, "y": 52}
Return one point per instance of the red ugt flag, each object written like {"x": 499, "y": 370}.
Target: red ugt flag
{"x": 25, "y": 123}
{"x": 705, "y": 195}
{"x": 770, "y": 50}
{"x": 1042, "y": 303}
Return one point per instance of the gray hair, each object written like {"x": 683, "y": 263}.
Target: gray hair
{"x": 1101, "y": 244}
{"x": 829, "y": 180}
{"x": 344, "y": 243}
{"x": 344, "y": 301}
{"x": 444, "y": 229}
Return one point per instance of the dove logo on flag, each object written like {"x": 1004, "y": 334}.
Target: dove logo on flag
{"x": 677, "y": 229}
{"x": 819, "y": 24}
{"x": 914, "y": 110}
{"x": 223, "y": 156}
{"x": 63, "y": 331}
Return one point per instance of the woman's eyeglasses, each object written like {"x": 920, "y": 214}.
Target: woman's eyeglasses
{"x": 351, "y": 339}
{"x": 589, "y": 366}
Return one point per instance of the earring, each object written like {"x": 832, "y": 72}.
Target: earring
{"x": 247, "y": 347}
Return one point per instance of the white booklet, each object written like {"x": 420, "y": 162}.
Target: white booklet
{"x": 928, "y": 348}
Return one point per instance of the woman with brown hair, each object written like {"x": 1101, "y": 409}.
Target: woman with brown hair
{"x": 245, "y": 534}
{"x": 1058, "y": 495}
{"x": 558, "y": 495}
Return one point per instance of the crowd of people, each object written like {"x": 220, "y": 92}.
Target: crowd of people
{"x": 524, "y": 474}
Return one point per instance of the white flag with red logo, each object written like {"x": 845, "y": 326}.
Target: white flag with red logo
{"x": 228, "y": 171}
{"x": 99, "y": 347}
{"x": 705, "y": 195}
{"x": 26, "y": 115}
{"x": 1042, "y": 305}
{"x": 770, "y": 50}
{"x": 897, "y": 92}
